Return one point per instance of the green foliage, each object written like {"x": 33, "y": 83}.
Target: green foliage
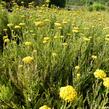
{"x": 3, "y": 19}
{"x": 5, "y": 93}
{"x": 97, "y": 6}
{"x": 58, "y": 3}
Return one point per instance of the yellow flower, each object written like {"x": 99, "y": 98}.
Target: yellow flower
{"x": 28, "y": 43}
{"x": 6, "y": 40}
{"x": 5, "y": 37}
{"x": 17, "y": 27}
{"x": 68, "y": 93}
{"x": 75, "y": 30}
{"x": 78, "y": 76}
{"x": 20, "y": 66}
{"x": 77, "y": 67}
{"x": 60, "y": 28}
{"x": 94, "y": 57}
{"x": 65, "y": 44}
{"x": 107, "y": 35}
{"x": 28, "y": 59}
{"x": 100, "y": 74}
{"x": 107, "y": 39}
{"x": 105, "y": 28}
{"x": 106, "y": 82}
{"x": 10, "y": 25}
{"x": 34, "y": 51}
{"x": 22, "y": 24}
{"x": 39, "y": 23}
{"x": 86, "y": 39}
{"x": 58, "y": 24}
{"x": 54, "y": 54}
{"x": 64, "y": 22}
{"x": 46, "y": 39}
{"x": 44, "y": 107}
{"x": 46, "y": 20}
{"x": 61, "y": 36}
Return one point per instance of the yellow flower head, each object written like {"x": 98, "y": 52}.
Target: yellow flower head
{"x": 22, "y": 24}
{"x": 68, "y": 93}
{"x": 106, "y": 82}
{"x": 10, "y": 25}
{"x": 17, "y": 27}
{"x": 75, "y": 30}
{"x": 6, "y": 40}
{"x": 28, "y": 43}
{"x": 56, "y": 37}
{"x": 5, "y": 37}
{"x": 20, "y": 66}
{"x": 106, "y": 39}
{"x": 60, "y": 28}
{"x": 44, "y": 107}
{"x": 46, "y": 20}
{"x": 46, "y": 39}
{"x": 105, "y": 28}
{"x": 86, "y": 39}
{"x": 61, "y": 36}
{"x": 94, "y": 57}
{"x": 107, "y": 35}
{"x": 78, "y": 76}
{"x": 58, "y": 24}
{"x": 65, "y": 44}
{"x": 39, "y": 23}
{"x": 100, "y": 74}
{"x": 28, "y": 59}
{"x": 64, "y": 22}
{"x": 77, "y": 67}
{"x": 54, "y": 54}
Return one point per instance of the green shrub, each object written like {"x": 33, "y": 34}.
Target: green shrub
{"x": 3, "y": 19}
{"x": 97, "y": 6}
{"x": 58, "y": 3}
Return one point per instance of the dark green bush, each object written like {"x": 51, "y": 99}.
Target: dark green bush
{"x": 58, "y": 3}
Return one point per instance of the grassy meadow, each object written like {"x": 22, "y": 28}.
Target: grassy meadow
{"x": 57, "y": 48}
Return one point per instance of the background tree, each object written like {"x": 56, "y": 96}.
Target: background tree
{"x": 58, "y": 3}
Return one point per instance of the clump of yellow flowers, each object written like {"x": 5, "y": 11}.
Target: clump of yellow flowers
{"x": 68, "y": 93}
{"x": 28, "y": 60}
{"x": 46, "y": 39}
{"x": 44, "y": 107}
{"x": 106, "y": 82}
{"x": 75, "y": 30}
{"x": 100, "y": 74}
